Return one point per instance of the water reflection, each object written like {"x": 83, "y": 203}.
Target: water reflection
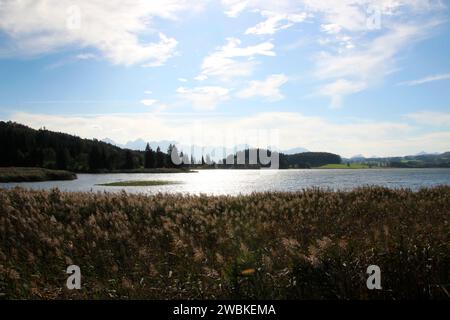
{"x": 234, "y": 182}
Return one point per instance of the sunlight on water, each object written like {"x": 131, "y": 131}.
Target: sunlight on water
{"x": 234, "y": 182}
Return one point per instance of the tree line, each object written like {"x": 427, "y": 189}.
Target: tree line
{"x": 285, "y": 161}
{"x": 23, "y": 146}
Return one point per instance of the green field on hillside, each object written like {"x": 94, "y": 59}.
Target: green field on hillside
{"x": 345, "y": 166}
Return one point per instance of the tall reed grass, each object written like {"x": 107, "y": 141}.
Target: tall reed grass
{"x": 313, "y": 244}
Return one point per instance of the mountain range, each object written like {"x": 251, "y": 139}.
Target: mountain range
{"x": 216, "y": 152}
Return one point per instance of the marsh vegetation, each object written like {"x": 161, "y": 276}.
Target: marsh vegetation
{"x": 139, "y": 183}
{"x": 16, "y": 174}
{"x": 313, "y": 244}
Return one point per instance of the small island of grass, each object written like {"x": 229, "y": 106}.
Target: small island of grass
{"x": 148, "y": 170}
{"x": 139, "y": 183}
{"x": 345, "y": 166}
{"x": 25, "y": 174}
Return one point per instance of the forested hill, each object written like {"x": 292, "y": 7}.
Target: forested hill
{"x": 22, "y": 146}
{"x": 308, "y": 159}
{"x": 286, "y": 161}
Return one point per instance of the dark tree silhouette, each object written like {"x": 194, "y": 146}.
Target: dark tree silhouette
{"x": 160, "y": 157}
{"x": 149, "y": 157}
{"x": 129, "y": 160}
{"x": 24, "y": 146}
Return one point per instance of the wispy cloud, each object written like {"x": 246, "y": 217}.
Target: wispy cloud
{"x": 361, "y": 39}
{"x": 360, "y": 68}
{"x": 268, "y": 88}
{"x": 204, "y": 98}
{"x": 433, "y": 78}
{"x": 148, "y": 102}
{"x": 336, "y": 16}
{"x": 232, "y": 60}
{"x": 155, "y": 105}
{"x": 341, "y": 87}
{"x": 275, "y": 21}
{"x": 86, "y": 56}
{"x": 431, "y": 118}
{"x": 294, "y": 129}
{"x": 111, "y": 27}
{"x": 72, "y": 59}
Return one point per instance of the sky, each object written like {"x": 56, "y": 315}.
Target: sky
{"x": 368, "y": 77}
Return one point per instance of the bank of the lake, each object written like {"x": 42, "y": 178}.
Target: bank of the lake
{"x": 35, "y": 174}
{"x": 24, "y": 174}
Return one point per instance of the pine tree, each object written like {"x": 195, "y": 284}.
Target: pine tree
{"x": 159, "y": 158}
{"x": 95, "y": 158}
{"x": 149, "y": 158}
{"x": 129, "y": 160}
{"x": 62, "y": 159}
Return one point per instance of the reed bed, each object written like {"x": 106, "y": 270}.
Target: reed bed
{"x": 22, "y": 174}
{"x": 313, "y": 244}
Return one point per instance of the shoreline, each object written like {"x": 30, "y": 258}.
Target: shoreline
{"x": 33, "y": 174}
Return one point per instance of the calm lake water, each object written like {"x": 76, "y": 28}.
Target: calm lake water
{"x": 234, "y": 182}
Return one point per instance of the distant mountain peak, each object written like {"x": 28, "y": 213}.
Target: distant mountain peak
{"x": 294, "y": 150}
{"x": 140, "y": 144}
{"x": 110, "y": 141}
{"x": 424, "y": 153}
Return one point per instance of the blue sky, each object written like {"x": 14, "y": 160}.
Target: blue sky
{"x": 352, "y": 76}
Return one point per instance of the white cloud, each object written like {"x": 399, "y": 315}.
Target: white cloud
{"x": 362, "y": 37}
{"x": 85, "y": 56}
{"x": 268, "y": 88}
{"x": 231, "y": 60}
{"x": 331, "y": 28}
{"x": 373, "y": 59}
{"x": 234, "y": 7}
{"x": 182, "y": 80}
{"x": 148, "y": 102}
{"x": 112, "y": 27}
{"x": 356, "y": 70}
{"x": 154, "y": 54}
{"x": 275, "y": 21}
{"x": 431, "y": 118}
{"x": 201, "y": 77}
{"x": 155, "y": 104}
{"x": 348, "y": 15}
{"x": 204, "y": 98}
{"x": 71, "y": 59}
{"x": 278, "y": 15}
{"x": 294, "y": 130}
{"x": 340, "y": 88}
{"x": 437, "y": 77}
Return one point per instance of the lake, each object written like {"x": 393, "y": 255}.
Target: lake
{"x": 232, "y": 182}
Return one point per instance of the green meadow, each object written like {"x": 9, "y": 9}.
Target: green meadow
{"x": 345, "y": 166}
